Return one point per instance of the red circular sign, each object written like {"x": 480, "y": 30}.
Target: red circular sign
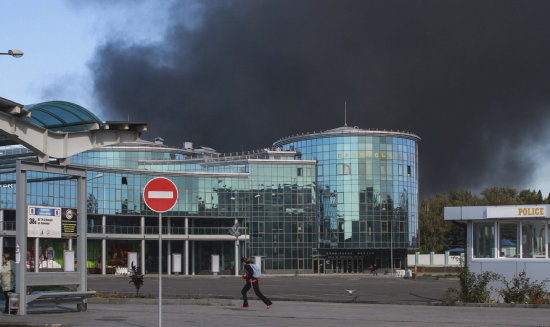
{"x": 160, "y": 194}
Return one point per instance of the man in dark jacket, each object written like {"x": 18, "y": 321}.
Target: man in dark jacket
{"x": 251, "y": 281}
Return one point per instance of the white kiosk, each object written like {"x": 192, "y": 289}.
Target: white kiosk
{"x": 507, "y": 240}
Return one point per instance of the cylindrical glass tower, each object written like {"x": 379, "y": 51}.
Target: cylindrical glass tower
{"x": 367, "y": 187}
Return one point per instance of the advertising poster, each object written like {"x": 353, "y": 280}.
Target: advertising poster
{"x": 68, "y": 222}
{"x": 44, "y": 222}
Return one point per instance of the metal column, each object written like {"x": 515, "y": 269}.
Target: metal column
{"x": 21, "y": 238}
{"x": 82, "y": 239}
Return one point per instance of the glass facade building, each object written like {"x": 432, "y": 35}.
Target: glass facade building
{"x": 335, "y": 201}
{"x": 367, "y": 188}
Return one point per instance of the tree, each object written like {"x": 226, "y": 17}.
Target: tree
{"x": 500, "y": 196}
{"x": 432, "y": 227}
{"x": 530, "y": 197}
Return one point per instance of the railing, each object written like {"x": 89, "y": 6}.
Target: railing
{"x": 152, "y": 230}
{"x": 149, "y": 230}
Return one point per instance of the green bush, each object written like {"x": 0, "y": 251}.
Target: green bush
{"x": 521, "y": 290}
{"x": 474, "y": 288}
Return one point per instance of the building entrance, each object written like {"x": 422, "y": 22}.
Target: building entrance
{"x": 347, "y": 265}
{"x": 318, "y": 265}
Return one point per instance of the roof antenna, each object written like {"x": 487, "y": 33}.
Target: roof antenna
{"x": 345, "y": 114}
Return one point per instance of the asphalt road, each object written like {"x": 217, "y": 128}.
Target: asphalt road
{"x": 325, "y": 288}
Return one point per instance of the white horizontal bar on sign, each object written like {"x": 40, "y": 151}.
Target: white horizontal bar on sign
{"x": 161, "y": 194}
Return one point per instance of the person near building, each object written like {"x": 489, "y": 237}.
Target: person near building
{"x": 252, "y": 275}
{"x": 7, "y": 278}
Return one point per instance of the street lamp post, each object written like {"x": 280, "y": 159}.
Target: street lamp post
{"x": 16, "y": 53}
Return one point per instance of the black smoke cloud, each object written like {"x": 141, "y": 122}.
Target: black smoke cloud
{"x": 471, "y": 78}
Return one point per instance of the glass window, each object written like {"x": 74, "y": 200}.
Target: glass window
{"x": 533, "y": 239}
{"x": 484, "y": 240}
{"x": 508, "y": 240}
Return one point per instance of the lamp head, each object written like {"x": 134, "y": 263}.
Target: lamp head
{"x": 16, "y": 53}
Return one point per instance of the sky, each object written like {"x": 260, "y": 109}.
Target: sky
{"x": 471, "y": 78}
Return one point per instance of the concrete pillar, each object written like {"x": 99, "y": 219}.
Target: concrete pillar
{"x": 169, "y": 261}
{"x": 103, "y": 256}
{"x": 186, "y": 257}
{"x": 446, "y": 258}
{"x": 1, "y": 229}
{"x": 103, "y": 245}
{"x": 431, "y": 258}
{"x": 169, "y": 250}
{"x": 103, "y": 224}
{"x": 142, "y": 250}
{"x": 237, "y": 263}
{"x": 36, "y": 254}
{"x": 416, "y": 258}
{"x": 193, "y": 258}
{"x": 186, "y": 254}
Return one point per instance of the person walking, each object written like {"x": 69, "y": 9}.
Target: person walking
{"x": 375, "y": 270}
{"x": 252, "y": 275}
{"x": 7, "y": 278}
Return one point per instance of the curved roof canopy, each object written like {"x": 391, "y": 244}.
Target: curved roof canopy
{"x": 62, "y": 116}
{"x": 60, "y": 129}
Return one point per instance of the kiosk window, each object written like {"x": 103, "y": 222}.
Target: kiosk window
{"x": 484, "y": 240}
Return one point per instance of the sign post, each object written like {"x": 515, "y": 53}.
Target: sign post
{"x": 160, "y": 194}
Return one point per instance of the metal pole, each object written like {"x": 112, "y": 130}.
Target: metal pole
{"x": 160, "y": 269}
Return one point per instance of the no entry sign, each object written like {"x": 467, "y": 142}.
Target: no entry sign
{"x": 160, "y": 194}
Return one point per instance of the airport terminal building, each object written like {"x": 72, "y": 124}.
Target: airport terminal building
{"x": 335, "y": 201}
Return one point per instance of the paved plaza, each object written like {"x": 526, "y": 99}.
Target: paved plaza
{"x": 298, "y": 301}
{"x": 287, "y": 313}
